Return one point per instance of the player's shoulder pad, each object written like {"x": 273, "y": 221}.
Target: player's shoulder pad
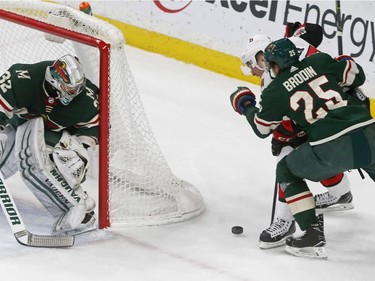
{"x": 22, "y": 70}
{"x": 319, "y": 56}
{"x": 92, "y": 86}
{"x": 89, "y": 98}
{"x": 272, "y": 87}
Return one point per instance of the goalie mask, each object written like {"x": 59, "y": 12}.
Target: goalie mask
{"x": 67, "y": 77}
{"x": 255, "y": 46}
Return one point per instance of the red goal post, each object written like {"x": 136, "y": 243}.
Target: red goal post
{"x": 136, "y": 185}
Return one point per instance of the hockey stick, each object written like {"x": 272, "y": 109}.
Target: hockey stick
{"x": 339, "y": 27}
{"x": 274, "y": 202}
{"x": 22, "y": 235}
{"x": 361, "y": 173}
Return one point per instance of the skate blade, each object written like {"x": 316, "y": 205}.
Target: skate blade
{"x": 269, "y": 245}
{"x": 335, "y": 208}
{"x": 308, "y": 252}
{"x": 82, "y": 229}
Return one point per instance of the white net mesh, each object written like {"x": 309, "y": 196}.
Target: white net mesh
{"x": 142, "y": 189}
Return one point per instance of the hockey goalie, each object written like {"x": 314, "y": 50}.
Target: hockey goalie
{"x": 49, "y": 118}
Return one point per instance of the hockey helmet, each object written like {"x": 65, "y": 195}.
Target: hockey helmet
{"x": 67, "y": 77}
{"x": 256, "y": 45}
{"x": 281, "y": 52}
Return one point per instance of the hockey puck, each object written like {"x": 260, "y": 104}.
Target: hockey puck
{"x": 237, "y": 229}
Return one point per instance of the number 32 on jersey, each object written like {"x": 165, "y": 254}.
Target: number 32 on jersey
{"x": 5, "y": 83}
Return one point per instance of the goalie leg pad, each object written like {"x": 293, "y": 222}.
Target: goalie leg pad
{"x": 8, "y": 164}
{"x": 43, "y": 178}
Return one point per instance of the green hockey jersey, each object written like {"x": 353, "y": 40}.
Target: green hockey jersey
{"x": 24, "y": 94}
{"x": 311, "y": 94}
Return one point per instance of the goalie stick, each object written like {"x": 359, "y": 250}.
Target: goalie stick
{"x": 22, "y": 235}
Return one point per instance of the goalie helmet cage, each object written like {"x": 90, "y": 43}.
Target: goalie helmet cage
{"x": 136, "y": 185}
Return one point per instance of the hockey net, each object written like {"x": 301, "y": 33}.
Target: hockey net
{"x": 136, "y": 185}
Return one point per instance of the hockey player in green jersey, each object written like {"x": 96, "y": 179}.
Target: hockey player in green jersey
{"x": 311, "y": 93}
{"x": 306, "y": 37}
{"x": 49, "y": 114}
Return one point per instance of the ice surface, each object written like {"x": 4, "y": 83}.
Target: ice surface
{"x": 209, "y": 145}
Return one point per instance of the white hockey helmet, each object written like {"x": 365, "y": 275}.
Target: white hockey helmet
{"x": 67, "y": 77}
{"x": 256, "y": 44}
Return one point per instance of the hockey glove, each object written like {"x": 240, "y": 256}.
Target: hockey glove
{"x": 286, "y": 134}
{"x": 71, "y": 159}
{"x": 358, "y": 93}
{"x": 242, "y": 98}
{"x": 290, "y": 28}
{"x": 369, "y": 102}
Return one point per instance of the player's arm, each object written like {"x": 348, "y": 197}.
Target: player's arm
{"x": 287, "y": 134}
{"x": 310, "y": 32}
{"x": 70, "y": 149}
{"x": 261, "y": 124}
{"x": 348, "y": 72}
{"x": 87, "y": 130}
{"x": 243, "y": 102}
{"x": 357, "y": 92}
{"x": 7, "y": 99}
{"x": 70, "y": 154}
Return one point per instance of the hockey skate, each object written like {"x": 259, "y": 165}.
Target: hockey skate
{"x": 276, "y": 234}
{"x": 79, "y": 219}
{"x": 87, "y": 225}
{"x": 326, "y": 202}
{"x": 311, "y": 243}
{"x": 89, "y": 221}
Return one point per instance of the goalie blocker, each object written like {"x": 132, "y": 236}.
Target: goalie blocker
{"x": 64, "y": 199}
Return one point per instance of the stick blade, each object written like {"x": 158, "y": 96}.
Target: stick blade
{"x": 44, "y": 241}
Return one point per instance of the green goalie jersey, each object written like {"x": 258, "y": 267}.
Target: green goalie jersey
{"x": 311, "y": 94}
{"x": 24, "y": 94}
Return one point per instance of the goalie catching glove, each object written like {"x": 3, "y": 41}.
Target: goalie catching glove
{"x": 72, "y": 159}
{"x": 242, "y": 98}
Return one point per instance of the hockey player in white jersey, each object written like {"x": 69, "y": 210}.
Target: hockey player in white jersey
{"x": 288, "y": 136}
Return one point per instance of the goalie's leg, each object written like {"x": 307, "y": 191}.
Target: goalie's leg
{"x": 8, "y": 165}
{"x": 66, "y": 204}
